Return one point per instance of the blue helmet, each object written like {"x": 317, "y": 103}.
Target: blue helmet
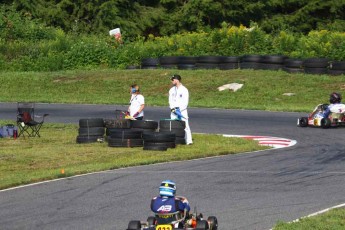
{"x": 167, "y": 188}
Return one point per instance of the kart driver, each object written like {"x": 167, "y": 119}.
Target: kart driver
{"x": 167, "y": 202}
{"x": 335, "y": 106}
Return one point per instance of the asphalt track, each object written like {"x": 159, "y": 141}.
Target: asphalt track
{"x": 245, "y": 191}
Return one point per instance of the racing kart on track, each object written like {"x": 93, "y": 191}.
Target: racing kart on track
{"x": 335, "y": 118}
{"x": 175, "y": 221}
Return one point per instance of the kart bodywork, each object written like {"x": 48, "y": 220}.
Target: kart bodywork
{"x": 335, "y": 118}
{"x": 175, "y": 221}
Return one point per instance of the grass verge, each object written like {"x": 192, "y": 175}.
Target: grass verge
{"x": 262, "y": 90}
{"x": 29, "y": 160}
{"x": 331, "y": 220}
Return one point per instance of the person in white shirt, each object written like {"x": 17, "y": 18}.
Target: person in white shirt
{"x": 178, "y": 102}
{"x": 136, "y": 103}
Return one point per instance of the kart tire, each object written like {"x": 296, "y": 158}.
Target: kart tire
{"x": 249, "y": 65}
{"x": 308, "y": 70}
{"x": 151, "y": 220}
{"x": 302, "y": 122}
{"x": 128, "y": 134}
{"x": 150, "y": 62}
{"x": 186, "y": 66}
{"x": 109, "y": 131}
{"x": 146, "y": 124}
{"x": 91, "y": 122}
{"x": 206, "y": 65}
{"x": 209, "y": 59}
{"x": 213, "y": 222}
{"x": 202, "y": 225}
{"x": 177, "y": 132}
{"x": 134, "y": 225}
{"x": 293, "y": 70}
{"x": 91, "y": 131}
{"x": 162, "y": 144}
{"x": 293, "y": 63}
{"x": 88, "y": 139}
{"x": 117, "y": 123}
{"x": 228, "y": 66}
{"x": 229, "y": 59}
{"x": 118, "y": 142}
{"x": 169, "y": 60}
{"x": 316, "y": 63}
{"x": 180, "y": 141}
{"x": 325, "y": 123}
{"x": 159, "y": 137}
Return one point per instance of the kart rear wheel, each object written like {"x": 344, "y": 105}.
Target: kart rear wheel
{"x": 151, "y": 220}
{"x": 212, "y": 222}
{"x": 325, "y": 123}
{"x": 302, "y": 122}
{"x": 202, "y": 225}
{"x": 134, "y": 225}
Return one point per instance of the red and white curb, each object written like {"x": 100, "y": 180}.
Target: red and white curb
{"x": 275, "y": 142}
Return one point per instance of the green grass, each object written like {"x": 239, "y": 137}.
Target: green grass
{"x": 263, "y": 90}
{"x": 331, "y": 220}
{"x": 28, "y": 160}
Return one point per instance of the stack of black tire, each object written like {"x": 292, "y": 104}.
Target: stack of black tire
{"x": 144, "y": 126}
{"x": 293, "y": 65}
{"x": 336, "y": 68}
{"x": 186, "y": 62}
{"x": 149, "y": 63}
{"x": 90, "y": 130}
{"x": 169, "y": 62}
{"x": 316, "y": 65}
{"x": 272, "y": 62}
{"x": 175, "y": 127}
{"x": 160, "y": 141}
{"x": 250, "y": 62}
{"x": 120, "y": 134}
{"x": 229, "y": 62}
{"x": 207, "y": 62}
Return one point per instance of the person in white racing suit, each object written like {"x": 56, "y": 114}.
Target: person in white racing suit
{"x": 335, "y": 106}
{"x": 178, "y": 102}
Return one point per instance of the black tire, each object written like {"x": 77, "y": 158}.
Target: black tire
{"x": 180, "y": 141}
{"x": 162, "y": 144}
{"x": 302, "y": 122}
{"x": 202, "y": 225}
{"x": 165, "y": 66}
{"x": 293, "y": 70}
{"x": 109, "y": 131}
{"x": 91, "y": 131}
{"x": 149, "y": 67}
{"x": 325, "y": 123}
{"x": 267, "y": 66}
{"x": 156, "y": 148}
{"x": 316, "y": 63}
{"x": 177, "y": 132}
{"x": 206, "y": 66}
{"x": 183, "y": 60}
{"x": 335, "y": 72}
{"x": 116, "y": 123}
{"x": 227, "y": 66}
{"x": 249, "y": 65}
{"x": 151, "y": 220}
{"x": 144, "y": 124}
{"x": 149, "y": 62}
{"x": 251, "y": 58}
{"x": 172, "y": 124}
{"x": 337, "y": 65}
{"x": 209, "y": 59}
{"x": 134, "y": 225}
{"x": 273, "y": 59}
{"x": 169, "y": 60}
{"x": 229, "y": 59}
{"x": 159, "y": 137}
{"x": 128, "y": 134}
{"x": 213, "y": 222}
{"x": 315, "y": 70}
{"x": 186, "y": 66}
{"x": 293, "y": 63}
{"x": 87, "y": 139}
{"x": 91, "y": 122}
{"x": 118, "y": 142}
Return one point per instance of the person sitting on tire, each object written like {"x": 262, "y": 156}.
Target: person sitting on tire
{"x": 136, "y": 103}
{"x": 335, "y": 106}
{"x": 167, "y": 203}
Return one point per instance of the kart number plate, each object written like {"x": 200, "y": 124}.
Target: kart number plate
{"x": 164, "y": 227}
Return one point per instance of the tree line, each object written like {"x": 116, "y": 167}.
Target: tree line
{"x": 167, "y": 17}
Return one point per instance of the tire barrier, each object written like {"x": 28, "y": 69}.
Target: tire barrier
{"x": 117, "y": 123}
{"x": 121, "y": 142}
{"x": 90, "y": 130}
{"x": 252, "y": 61}
{"x": 174, "y": 127}
{"x": 159, "y": 141}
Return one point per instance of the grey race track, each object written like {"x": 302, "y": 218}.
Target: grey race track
{"x": 245, "y": 191}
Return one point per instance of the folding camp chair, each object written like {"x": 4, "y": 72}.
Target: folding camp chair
{"x": 26, "y": 120}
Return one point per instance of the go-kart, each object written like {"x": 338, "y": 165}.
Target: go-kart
{"x": 335, "y": 118}
{"x": 175, "y": 221}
